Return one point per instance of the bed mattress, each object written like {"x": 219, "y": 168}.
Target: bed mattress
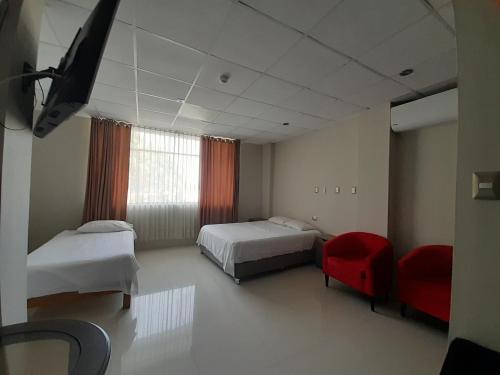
{"x": 83, "y": 262}
{"x": 244, "y": 242}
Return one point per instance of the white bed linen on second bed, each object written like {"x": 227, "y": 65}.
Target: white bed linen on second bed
{"x": 83, "y": 262}
{"x": 244, "y": 242}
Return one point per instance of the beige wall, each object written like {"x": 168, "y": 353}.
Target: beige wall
{"x": 422, "y": 198}
{"x": 267, "y": 179}
{"x": 58, "y": 179}
{"x": 351, "y": 152}
{"x": 250, "y": 196}
{"x": 476, "y": 266}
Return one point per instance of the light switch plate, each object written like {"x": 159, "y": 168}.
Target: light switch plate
{"x": 337, "y": 189}
{"x": 486, "y": 185}
{"x": 353, "y": 190}
{"x": 316, "y": 189}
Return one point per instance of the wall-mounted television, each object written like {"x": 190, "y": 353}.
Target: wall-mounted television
{"x": 73, "y": 79}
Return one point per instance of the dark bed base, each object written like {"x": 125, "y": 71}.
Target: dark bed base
{"x": 246, "y": 270}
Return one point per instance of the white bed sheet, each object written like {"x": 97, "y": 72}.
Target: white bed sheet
{"x": 244, "y": 242}
{"x": 83, "y": 262}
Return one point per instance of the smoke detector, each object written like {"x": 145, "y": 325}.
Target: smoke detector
{"x": 224, "y": 77}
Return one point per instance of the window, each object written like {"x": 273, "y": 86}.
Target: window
{"x": 163, "y": 184}
{"x": 164, "y": 167}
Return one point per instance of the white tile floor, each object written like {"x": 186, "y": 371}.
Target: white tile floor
{"x": 190, "y": 318}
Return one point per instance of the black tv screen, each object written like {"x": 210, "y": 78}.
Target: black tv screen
{"x": 71, "y": 90}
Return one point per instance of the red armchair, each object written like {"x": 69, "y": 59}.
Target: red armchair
{"x": 361, "y": 260}
{"x": 424, "y": 279}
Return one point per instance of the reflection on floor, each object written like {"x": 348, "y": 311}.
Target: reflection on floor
{"x": 190, "y": 318}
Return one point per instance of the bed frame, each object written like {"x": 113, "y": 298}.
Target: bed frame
{"x": 246, "y": 270}
{"x": 60, "y": 298}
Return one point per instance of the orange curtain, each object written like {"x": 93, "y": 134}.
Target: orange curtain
{"x": 220, "y": 164}
{"x": 107, "y": 174}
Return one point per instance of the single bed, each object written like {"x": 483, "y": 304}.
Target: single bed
{"x": 247, "y": 249}
{"x": 74, "y": 263}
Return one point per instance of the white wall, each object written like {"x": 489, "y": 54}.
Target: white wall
{"x": 18, "y": 43}
{"x": 351, "y": 152}
{"x": 250, "y": 194}
{"x": 422, "y": 197}
{"x": 58, "y": 180}
{"x": 475, "y": 312}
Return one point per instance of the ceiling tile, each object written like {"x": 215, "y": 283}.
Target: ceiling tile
{"x": 310, "y": 122}
{"x": 240, "y": 77}
{"x": 116, "y": 74}
{"x": 261, "y": 125}
{"x": 253, "y": 40}
{"x": 231, "y": 119}
{"x": 448, "y": 13}
{"x": 66, "y": 18}
{"x": 188, "y": 125}
{"x": 419, "y": 42}
{"x": 439, "y": 69}
{"x": 244, "y": 132}
{"x": 209, "y": 98}
{"x": 160, "y": 86}
{"x": 125, "y": 10}
{"x": 382, "y": 92}
{"x": 246, "y": 107}
{"x": 113, "y": 94}
{"x": 299, "y": 14}
{"x": 198, "y": 113}
{"x": 307, "y": 62}
{"x": 120, "y": 45}
{"x": 279, "y": 115}
{"x": 194, "y": 23}
{"x": 46, "y": 33}
{"x": 118, "y": 112}
{"x": 48, "y": 55}
{"x": 218, "y": 130}
{"x": 347, "y": 80}
{"x": 270, "y": 90}
{"x": 155, "y": 119}
{"x": 356, "y": 26}
{"x": 169, "y": 59}
{"x": 316, "y": 104}
{"x": 152, "y": 103}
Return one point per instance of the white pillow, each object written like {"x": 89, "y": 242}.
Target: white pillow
{"x": 280, "y": 220}
{"x": 105, "y": 226}
{"x": 298, "y": 225}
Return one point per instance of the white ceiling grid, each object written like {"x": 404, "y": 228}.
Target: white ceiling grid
{"x": 304, "y": 62}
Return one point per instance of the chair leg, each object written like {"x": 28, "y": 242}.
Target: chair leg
{"x": 326, "y": 280}
{"x": 372, "y": 304}
{"x": 403, "y": 310}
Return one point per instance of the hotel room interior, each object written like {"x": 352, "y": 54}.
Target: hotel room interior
{"x": 249, "y": 187}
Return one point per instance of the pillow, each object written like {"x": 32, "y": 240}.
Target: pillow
{"x": 280, "y": 220}
{"x": 105, "y": 226}
{"x": 298, "y": 225}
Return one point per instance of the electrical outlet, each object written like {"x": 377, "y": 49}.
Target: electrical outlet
{"x": 337, "y": 189}
{"x": 314, "y": 218}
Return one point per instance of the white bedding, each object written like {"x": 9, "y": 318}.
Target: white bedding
{"x": 83, "y": 262}
{"x": 244, "y": 242}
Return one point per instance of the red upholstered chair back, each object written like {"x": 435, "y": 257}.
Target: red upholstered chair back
{"x": 430, "y": 261}
{"x": 360, "y": 243}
